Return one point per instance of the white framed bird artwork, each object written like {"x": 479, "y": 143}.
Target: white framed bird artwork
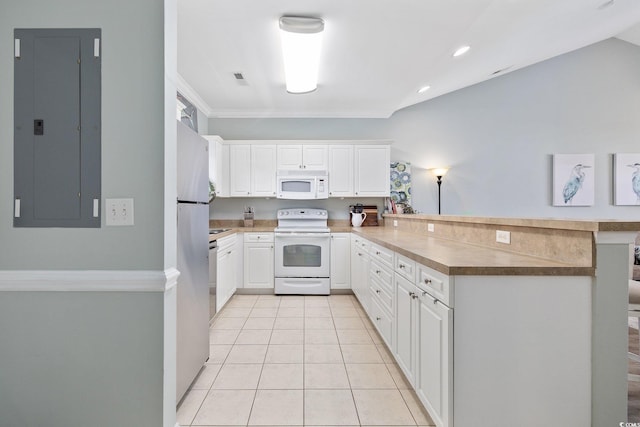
{"x": 573, "y": 179}
{"x": 626, "y": 179}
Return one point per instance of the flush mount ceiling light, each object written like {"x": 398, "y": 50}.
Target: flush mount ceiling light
{"x": 423, "y": 89}
{"x": 461, "y": 51}
{"x": 301, "y": 43}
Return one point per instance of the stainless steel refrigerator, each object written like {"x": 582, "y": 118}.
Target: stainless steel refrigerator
{"x": 193, "y": 257}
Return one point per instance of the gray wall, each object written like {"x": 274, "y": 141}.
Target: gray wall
{"x": 498, "y": 136}
{"x": 93, "y": 358}
{"x": 66, "y": 360}
{"x": 132, "y": 136}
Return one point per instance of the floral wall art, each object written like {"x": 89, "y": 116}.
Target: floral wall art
{"x": 573, "y": 179}
{"x": 400, "y": 190}
{"x": 626, "y": 179}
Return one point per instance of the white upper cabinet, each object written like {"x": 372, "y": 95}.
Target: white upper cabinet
{"x": 240, "y": 170}
{"x": 315, "y": 157}
{"x": 372, "y": 170}
{"x": 263, "y": 170}
{"x": 340, "y": 170}
{"x": 219, "y": 165}
{"x": 310, "y": 157}
{"x": 252, "y": 170}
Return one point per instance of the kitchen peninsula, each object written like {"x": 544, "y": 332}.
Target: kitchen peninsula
{"x": 529, "y": 333}
{"x": 537, "y": 332}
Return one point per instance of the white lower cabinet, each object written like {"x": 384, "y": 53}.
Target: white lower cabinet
{"x": 434, "y": 355}
{"x": 258, "y": 260}
{"x": 227, "y": 275}
{"x": 381, "y": 318}
{"x": 405, "y": 340}
{"x": 424, "y": 347}
{"x": 340, "y": 260}
{"x": 360, "y": 270}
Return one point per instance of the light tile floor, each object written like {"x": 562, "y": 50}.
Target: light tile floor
{"x": 297, "y": 361}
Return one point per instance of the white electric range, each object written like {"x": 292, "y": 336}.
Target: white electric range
{"x": 302, "y": 252}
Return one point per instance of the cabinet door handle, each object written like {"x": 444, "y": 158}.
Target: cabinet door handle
{"x": 378, "y": 272}
{"x": 424, "y": 293}
{"x": 378, "y": 318}
{"x": 427, "y": 281}
{"x": 229, "y": 253}
{"x": 401, "y": 266}
{"x": 377, "y": 291}
{"x": 411, "y": 294}
{"x": 377, "y": 252}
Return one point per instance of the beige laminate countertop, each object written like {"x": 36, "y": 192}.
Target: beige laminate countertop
{"x": 456, "y": 258}
{"x": 234, "y": 230}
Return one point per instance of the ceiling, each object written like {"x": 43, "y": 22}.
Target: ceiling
{"x": 377, "y": 53}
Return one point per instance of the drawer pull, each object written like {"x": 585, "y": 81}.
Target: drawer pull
{"x": 414, "y": 296}
{"x": 411, "y": 294}
{"x": 401, "y": 266}
{"x": 377, "y": 291}
{"x": 359, "y": 254}
{"x": 378, "y": 272}
{"x": 378, "y": 318}
{"x": 428, "y": 281}
{"x": 377, "y": 252}
{"x": 435, "y": 300}
{"x": 424, "y": 293}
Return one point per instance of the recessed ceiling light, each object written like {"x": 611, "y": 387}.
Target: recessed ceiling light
{"x": 424, "y": 89}
{"x": 461, "y": 50}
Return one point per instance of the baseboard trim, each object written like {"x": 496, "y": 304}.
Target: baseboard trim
{"x": 88, "y": 280}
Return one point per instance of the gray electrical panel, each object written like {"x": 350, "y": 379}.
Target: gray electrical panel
{"x": 57, "y": 127}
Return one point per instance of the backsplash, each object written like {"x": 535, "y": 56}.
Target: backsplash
{"x": 265, "y": 209}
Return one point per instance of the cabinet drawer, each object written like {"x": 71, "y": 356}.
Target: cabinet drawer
{"x": 384, "y": 255}
{"x": 226, "y": 243}
{"x": 405, "y": 267}
{"x": 380, "y": 294}
{"x": 383, "y": 322}
{"x": 258, "y": 237}
{"x": 435, "y": 283}
{"x": 383, "y": 274}
{"x": 362, "y": 244}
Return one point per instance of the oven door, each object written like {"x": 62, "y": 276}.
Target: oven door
{"x": 302, "y": 254}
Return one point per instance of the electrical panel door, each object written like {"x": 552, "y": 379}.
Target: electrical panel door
{"x": 57, "y": 128}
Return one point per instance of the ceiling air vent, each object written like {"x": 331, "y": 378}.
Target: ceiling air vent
{"x": 240, "y": 79}
{"x": 501, "y": 70}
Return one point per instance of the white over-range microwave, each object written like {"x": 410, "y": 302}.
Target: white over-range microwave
{"x": 302, "y": 185}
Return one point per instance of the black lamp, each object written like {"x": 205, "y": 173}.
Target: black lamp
{"x": 439, "y": 173}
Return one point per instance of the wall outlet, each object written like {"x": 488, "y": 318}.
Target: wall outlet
{"x": 395, "y": 222}
{"x": 119, "y": 211}
{"x": 431, "y": 227}
{"x": 503, "y": 237}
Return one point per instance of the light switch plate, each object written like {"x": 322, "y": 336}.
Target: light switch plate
{"x": 503, "y": 237}
{"x": 119, "y": 211}
{"x": 395, "y": 222}
{"x": 430, "y": 227}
